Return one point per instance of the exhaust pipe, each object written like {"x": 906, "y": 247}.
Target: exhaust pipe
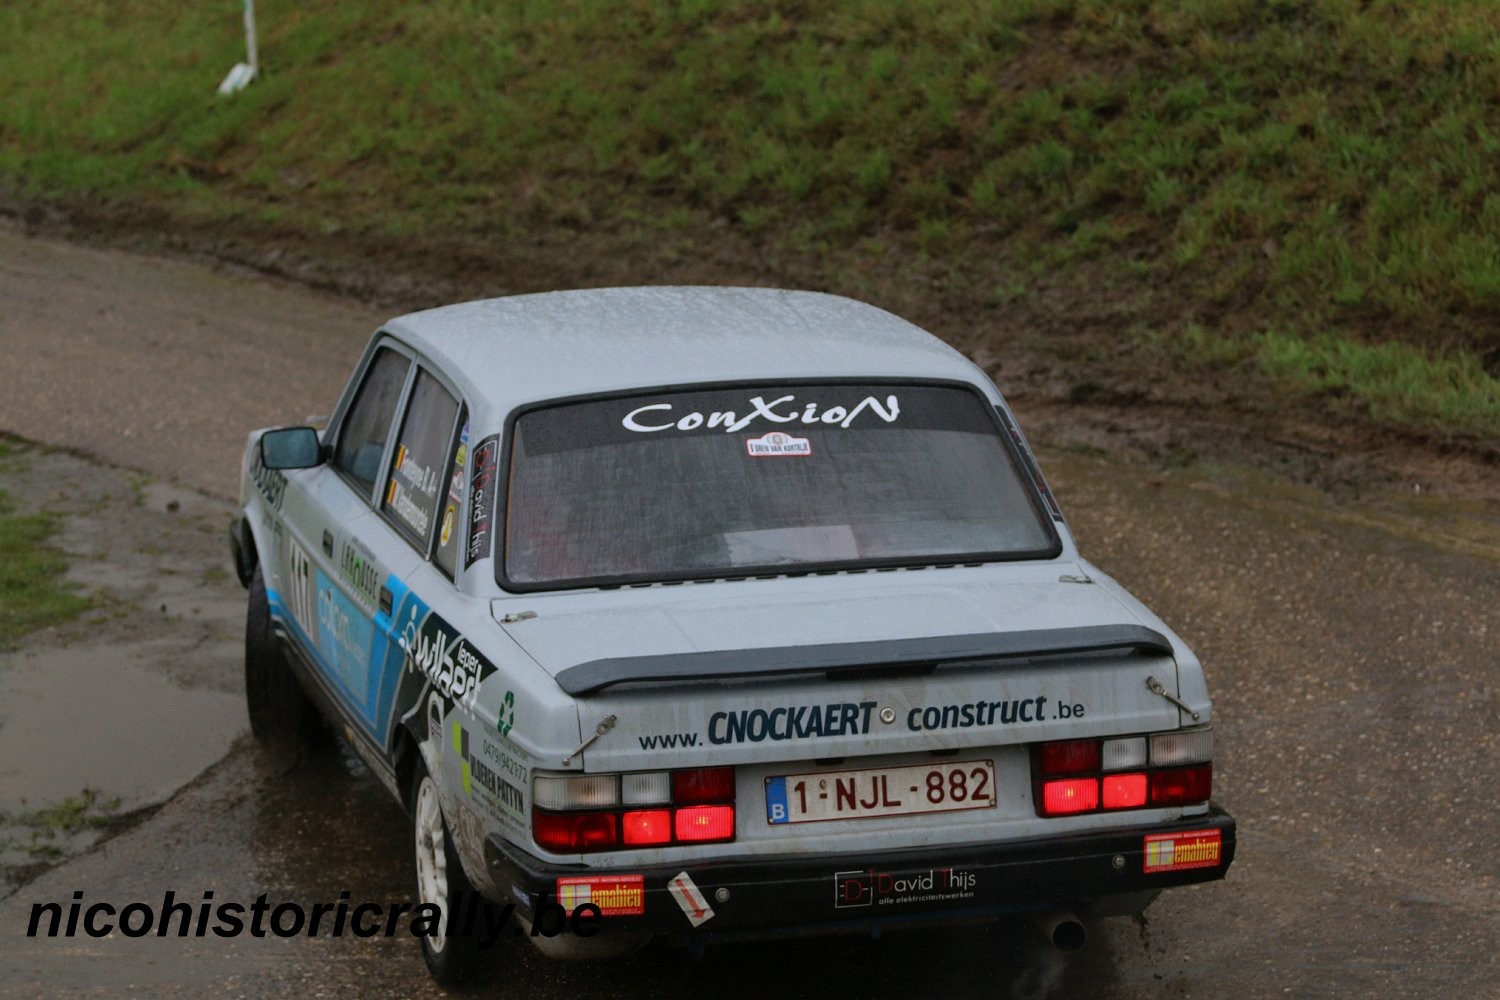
{"x": 1062, "y": 929}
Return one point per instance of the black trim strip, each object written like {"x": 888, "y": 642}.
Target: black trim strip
{"x": 596, "y": 675}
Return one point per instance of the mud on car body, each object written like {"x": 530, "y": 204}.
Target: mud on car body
{"x": 731, "y": 612}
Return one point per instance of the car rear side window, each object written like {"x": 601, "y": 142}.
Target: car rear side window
{"x": 735, "y": 482}
{"x": 367, "y": 427}
{"x": 450, "y": 527}
{"x": 418, "y": 477}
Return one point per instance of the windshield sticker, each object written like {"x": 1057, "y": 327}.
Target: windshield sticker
{"x": 482, "y": 499}
{"x": 777, "y": 443}
{"x": 751, "y": 412}
{"x": 447, "y": 530}
{"x": 782, "y": 410}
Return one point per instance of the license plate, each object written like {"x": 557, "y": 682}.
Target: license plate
{"x": 880, "y": 791}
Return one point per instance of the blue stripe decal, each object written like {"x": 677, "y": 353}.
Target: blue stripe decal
{"x": 398, "y": 629}
{"x": 363, "y": 672}
{"x": 344, "y": 637}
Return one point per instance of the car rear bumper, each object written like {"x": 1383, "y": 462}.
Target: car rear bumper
{"x": 768, "y": 897}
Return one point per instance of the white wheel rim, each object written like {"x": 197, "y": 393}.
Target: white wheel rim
{"x": 432, "y": 858}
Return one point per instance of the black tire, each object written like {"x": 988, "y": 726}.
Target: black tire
{"x": 450, "y": 955}
{"x": 281, "y": 714}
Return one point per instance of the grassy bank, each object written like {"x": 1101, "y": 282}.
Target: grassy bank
{"x": 1310, "y": 191}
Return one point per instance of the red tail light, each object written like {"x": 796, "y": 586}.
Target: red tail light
{"x": 1059, "y": 798}
{"x": 707, "y": 784}
{"x": 648, "y": 826}
{"x": 573, "y": 813}
{"x": 590, "y": 831}
{"x": 1124, "y": 791}
{"x": 1070, "y": 757}
{"x": 1081, "y": 776}
{"x": 703, "y": 823}
{"x": 1182, "y": 785}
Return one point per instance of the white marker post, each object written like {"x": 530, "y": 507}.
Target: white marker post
{"x": 240, "y": 76}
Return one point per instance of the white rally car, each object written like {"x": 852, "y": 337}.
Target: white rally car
{"x": 716, "y": 613}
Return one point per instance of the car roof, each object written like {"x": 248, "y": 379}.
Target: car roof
{"x": 547, "y": 345}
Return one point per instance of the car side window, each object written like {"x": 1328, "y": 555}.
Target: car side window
{"x": 451, "y": 525}
{"x": 367, "y": 426}
{"x": 417, "y": 481}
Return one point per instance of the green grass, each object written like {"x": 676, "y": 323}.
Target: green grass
{"x": 1396, "y": 384}
{"x": 1446, "y": 397}
{"x": 89, "y": 810}
{"x": 33, "y": 593}
{"x": 1317, "y": 169}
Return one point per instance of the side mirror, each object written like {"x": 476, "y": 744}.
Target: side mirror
{"x": 291, "y": 448}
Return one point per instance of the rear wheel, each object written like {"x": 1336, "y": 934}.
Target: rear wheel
{"x": 441, "y": 881}
{"x": 281, "y": 714}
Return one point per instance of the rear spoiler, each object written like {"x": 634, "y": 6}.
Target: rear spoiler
{"x": 769, "y": 661}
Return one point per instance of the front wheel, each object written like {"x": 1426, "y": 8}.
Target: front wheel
{"x": 441, "y": 881}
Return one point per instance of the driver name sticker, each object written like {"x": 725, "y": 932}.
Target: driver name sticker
{"x": 777, "y": 443}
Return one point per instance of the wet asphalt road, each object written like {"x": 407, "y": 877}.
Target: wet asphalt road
{"x": 1351, "y": 651}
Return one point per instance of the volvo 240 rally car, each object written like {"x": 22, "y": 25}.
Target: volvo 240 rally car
{"x": 717, "y": 613}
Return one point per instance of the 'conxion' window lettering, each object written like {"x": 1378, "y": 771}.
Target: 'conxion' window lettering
{"x": 731, "y": 482}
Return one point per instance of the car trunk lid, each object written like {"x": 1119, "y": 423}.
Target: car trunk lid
{"x": 889, "y": 665}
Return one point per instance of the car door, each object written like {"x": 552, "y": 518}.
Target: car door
{"x": 415, "y": 523}
{"x": 331, "y": 581}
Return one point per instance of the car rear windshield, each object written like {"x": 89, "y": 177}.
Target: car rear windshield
{"x": 767, "y": 479}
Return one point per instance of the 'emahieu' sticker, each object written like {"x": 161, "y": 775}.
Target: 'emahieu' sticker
{"x": 1173, "y": 852}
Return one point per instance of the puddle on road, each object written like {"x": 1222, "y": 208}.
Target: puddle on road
{"x": 119, "y": 708}
{"x": 79, "y": 718}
